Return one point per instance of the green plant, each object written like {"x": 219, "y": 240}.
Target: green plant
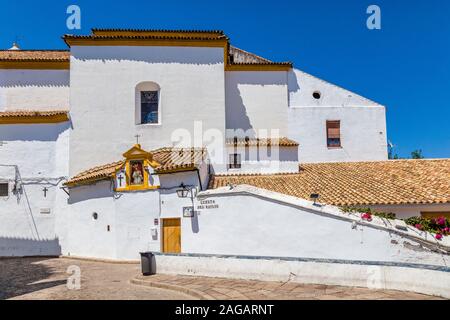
{"x": 439, "y": 225}
{"x": 385, "y": 215}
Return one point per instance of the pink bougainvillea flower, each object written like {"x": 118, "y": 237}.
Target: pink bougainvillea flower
{"x": 440, "y": 221}
{"x": 419, "y": 226}
{"x": 439, "y": 236}
{"x": 367, "y": 216}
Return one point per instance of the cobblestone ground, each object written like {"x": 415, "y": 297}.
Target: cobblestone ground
{"x": 43, "y": 278}
{"x": 228, "y": 289}
{"x": 46, "y": 278}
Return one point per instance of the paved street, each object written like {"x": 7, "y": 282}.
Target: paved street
{"x": 42, "y": 278}
{"x": 46, "y": 278}
{"x": 229, "y": 289}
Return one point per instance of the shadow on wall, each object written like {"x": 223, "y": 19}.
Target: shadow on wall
{"x": 166, "y": 55}
{"x": 293, "y": 84}
{"x": 20, "y": 276}
{"x": 35, "y": 78}
{"x": 236, "y": 111}
{"x": 33, "y": 132}
{"x": 236, "y": 116}
{"x": 21, "y": 247}
{"x": 99, "y": 190}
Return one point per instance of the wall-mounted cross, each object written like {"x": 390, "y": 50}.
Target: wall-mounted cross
{"x": 45, "y": 192}
{"x": 120, "y": 180}
{"x": 137, "y": 138}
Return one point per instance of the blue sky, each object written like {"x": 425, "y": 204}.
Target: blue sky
{"x": 404, "y": 66}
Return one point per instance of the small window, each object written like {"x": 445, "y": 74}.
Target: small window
{"x": 334, "y": 134}
{"x": 4, "y": 189}
{"x": 235, "y": 161}
{"x": 316, "y": 95}
{"x": 149, "y": 106}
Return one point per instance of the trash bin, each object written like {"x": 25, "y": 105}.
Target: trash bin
{"x": 148, "y": 264}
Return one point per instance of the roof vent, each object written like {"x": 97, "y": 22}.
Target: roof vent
{"x": 14, "y": 47}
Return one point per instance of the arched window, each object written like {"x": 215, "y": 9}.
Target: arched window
{"x": 148, "y": 105}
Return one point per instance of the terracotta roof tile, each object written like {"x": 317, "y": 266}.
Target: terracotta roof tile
{"x": 33, "y": 116}
{"x": 95, "y": 174}
{"x": 35, "y": 55}
{"x": 358, "y": 183}
{"x": 241, "y": 56}
{"x": 106, "y": 31}
{"x": 282, "y": 142}
{"x": 171, "y": 160}
{"x": 32, "y": 113}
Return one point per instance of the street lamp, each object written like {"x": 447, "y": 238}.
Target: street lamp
{"x": 314, "y": 197}
{"x": 183, "y": 192}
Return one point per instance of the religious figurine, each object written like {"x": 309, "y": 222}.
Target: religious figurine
{"x": 137, "y": 175}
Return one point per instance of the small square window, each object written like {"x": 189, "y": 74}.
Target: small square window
{"x": 4, "y": 189}
{"x": 234, "y": 161}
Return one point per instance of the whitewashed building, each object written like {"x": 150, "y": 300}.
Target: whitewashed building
{"x": 178, "y": 142}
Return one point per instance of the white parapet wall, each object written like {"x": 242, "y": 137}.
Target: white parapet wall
{"x": 415, "y": 278}
{"x": 252, "y": 233}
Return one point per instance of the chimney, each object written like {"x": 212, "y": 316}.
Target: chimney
{"x": 14, "y": 47}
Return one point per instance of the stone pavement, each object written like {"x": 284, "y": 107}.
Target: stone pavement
{"x": 230, "y": 289}
{"x": 46, "y": 278}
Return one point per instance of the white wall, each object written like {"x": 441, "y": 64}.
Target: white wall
{"x": 363, "y": 122}
{"x": 373, "y": 276}
{"x": 261, "y": 160}
{"x": 256, "y": 100}
{"x": 103, "y": 81}
{"x": 130, "y": 215}
{"x": 34, "y": 89}
{"x": 36, "y": 156}
{"x": 363, "y": 133}
{"x": 264, "y": 223}
{"x": 302, "y": 86}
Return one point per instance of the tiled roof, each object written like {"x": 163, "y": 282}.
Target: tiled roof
{"x": 171, "y": 160}
{"x": 201, "y": 33}
{"x": 358, "y": 183}
{"x": 34, "y": 55}
{"x": 241, "y": 56}
{"x": 282, "y": 142}
{"x": 130, "y": 35}
{"x": 33, "y": 116}
{"x": 94, "y": 174}
{"x": 243, "y": 60}
{"x": 175, "y": 159}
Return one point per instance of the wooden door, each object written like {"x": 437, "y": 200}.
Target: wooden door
{"x": 171, "y": 235}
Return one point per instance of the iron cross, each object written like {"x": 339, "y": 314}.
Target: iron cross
{"x": 45, "y": 192}
{"x": 137, "y": 138}
{"x": 120, "y": 180}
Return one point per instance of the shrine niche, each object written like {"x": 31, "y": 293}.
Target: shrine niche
{"x": 137, "y": 172}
